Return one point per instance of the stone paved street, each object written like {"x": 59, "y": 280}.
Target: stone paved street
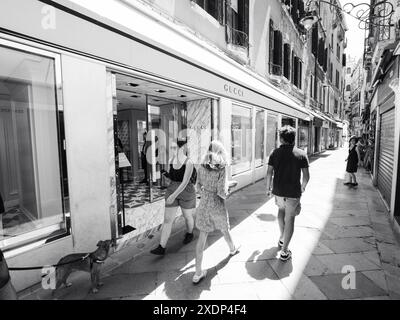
{"x": 338, "y": 227}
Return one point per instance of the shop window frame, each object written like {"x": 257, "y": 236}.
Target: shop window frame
{"x": 47, "y": 234}
{"x": 252, "y": 115}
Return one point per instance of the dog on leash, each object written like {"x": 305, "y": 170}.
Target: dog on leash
{"x": 89, "y": 262}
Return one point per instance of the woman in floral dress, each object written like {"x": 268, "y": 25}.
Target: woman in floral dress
{"x": 211, "y": 214}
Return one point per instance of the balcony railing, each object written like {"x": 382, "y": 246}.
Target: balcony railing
{"x": 274, "y": 69}
{"x": 237, "y": 37}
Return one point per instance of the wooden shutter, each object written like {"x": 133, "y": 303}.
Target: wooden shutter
{"x": 315, "y": 41}
{"x": 246, "y": 17}
{"x": 277, "y": 48}
{"x": 243, "y": 10}
{"x": 228, "y": 17}
{"x": 220, "y": 8}
{"x": 286, "y": 60}
{"x": 271, "y": 44}
{"x": 292, "y": 76}
{"x": 300, "y": 81}
{"x": 296, "y": 71}
{"x": 301, "y": 9}
{"x": 295, "y": 11}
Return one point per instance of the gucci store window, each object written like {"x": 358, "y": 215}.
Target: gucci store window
{"x": 241, "y": 133}
{"x": 303, "y": 135}
{"x": 260, "y": 137}
{"x": 33, "y": 177}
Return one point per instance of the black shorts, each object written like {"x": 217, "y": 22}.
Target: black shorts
{"x": 186, "y": 199}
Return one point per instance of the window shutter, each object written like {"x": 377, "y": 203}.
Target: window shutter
{"x": 277, "y": 48}
{"x": 292, "y": 75}
{"x": 220, "y": 8}
{"x": 271, "y": 44}
{"x": 315, "y": 41}
{"x": 228, "y": 17}
{"x": 300, "y": 74}
{"x": 296, "y": 71}
{"x": 286, "y": 60}
{"x": 243, "y": 16}
{"x": 280, "y": 48}
{"x": 301, "y": 9}
{"x": 246, "y": 17}
{"x": 295, "y": 11}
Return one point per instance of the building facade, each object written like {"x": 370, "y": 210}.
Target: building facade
{"x": 381, "y": 112}
{"x": 86, "y": 88}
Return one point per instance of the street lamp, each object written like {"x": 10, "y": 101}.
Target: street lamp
{"x": 378, "y": 14}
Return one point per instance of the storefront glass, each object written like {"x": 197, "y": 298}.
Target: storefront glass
{"x": 259, "y": 139}
{"x": 151, "y": 117}
{"x": 272, "y": 132}
{"x": 303, "y": 135}
{"x": 241, "y": 139}
{"x": 33, "y": 182}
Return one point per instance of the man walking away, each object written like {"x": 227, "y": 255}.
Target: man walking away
{"x": 285, "y": 165}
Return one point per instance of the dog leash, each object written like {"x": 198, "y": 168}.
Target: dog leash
{"x": 54, "y": 265}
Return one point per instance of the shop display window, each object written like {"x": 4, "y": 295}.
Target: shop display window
{"x": 260, "y": 137}
{"x": 241, "y": 131}
{"x": 33, "y": 176}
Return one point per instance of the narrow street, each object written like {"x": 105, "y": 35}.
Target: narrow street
{"x": 338, "y": 227}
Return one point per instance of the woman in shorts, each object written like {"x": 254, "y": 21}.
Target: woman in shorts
{"x": 181, "y": 193}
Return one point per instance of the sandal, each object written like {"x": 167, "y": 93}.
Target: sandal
{"x": 197, "y": 279}
{"x": 235, "y": 251}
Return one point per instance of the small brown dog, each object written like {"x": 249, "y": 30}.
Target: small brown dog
{"x": 89, "y": 262}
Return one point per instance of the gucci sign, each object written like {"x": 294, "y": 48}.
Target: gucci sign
{"x": 233, "y": 90}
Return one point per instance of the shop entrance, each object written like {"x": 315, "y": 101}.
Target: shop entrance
{"x": 148, "y": 121}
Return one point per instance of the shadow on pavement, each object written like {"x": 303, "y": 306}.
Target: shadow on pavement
{"x": 183, "y": 288}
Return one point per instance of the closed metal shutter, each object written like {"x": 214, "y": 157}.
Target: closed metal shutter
{"x": 386, "y": 155}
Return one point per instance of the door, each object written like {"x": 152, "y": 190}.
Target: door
{"x": 386, "y": 154}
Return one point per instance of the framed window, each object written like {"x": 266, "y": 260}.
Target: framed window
{"x": 215, "y": 8}
{"x": 241, "y": 133}
{"x": 33, "y": 171}
{"x": 237, "y": 22}
{"x": 260, "y": 137}
{"x": 272, "y": 132}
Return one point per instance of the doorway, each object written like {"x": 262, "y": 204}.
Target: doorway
{"x": 149, "y": 119}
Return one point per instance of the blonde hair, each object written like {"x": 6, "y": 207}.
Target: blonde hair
{"x": 216, "y": 156}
